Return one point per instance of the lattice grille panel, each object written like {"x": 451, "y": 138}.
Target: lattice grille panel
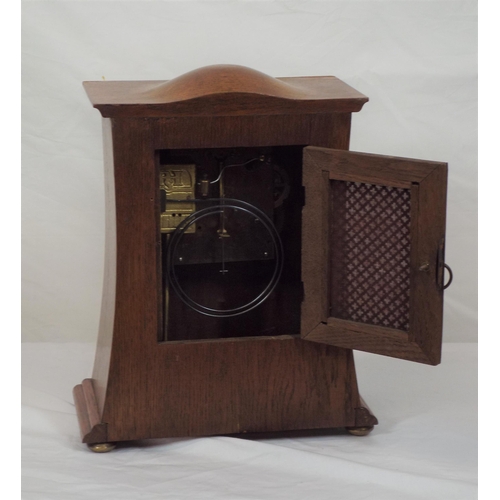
{"x": 370, "y": 252}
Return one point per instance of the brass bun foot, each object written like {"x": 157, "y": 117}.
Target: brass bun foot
{"x": 359, "y": 431}
{"x": 101, "y": 447}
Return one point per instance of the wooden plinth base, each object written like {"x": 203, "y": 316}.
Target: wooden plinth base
{"x": 92, "y": 430}
{"x": 95, "y": 433}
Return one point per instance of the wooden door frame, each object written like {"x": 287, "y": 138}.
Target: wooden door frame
{"x": 427, "y": 184}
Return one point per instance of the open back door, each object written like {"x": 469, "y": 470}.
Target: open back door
{"x": 373, "y": 231}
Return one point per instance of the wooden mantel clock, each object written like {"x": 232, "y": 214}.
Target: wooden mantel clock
{"x": 248, "y": 252}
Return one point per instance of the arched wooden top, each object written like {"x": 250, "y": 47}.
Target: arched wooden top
{"x": 223, "y": 90}
{"x": 223, "y": 79}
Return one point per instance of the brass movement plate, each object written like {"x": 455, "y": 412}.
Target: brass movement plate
{"x": 178, "y": 183}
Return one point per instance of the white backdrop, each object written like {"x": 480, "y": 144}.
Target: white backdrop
{"x": 416, "y": 60}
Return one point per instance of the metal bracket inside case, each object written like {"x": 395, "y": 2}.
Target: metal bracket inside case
{"x": 177, "y": 185}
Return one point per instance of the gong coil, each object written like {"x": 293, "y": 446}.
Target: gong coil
{"x": 219, "y": 208}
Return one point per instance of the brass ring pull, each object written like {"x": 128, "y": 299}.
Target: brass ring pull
{"x": 450, "y": 279}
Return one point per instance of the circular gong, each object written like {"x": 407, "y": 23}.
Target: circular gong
{"x": 234, "y": 251}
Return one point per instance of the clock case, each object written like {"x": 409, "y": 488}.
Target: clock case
{"x": 363, "y": 239}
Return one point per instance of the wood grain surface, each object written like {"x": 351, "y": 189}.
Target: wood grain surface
{"x": 145, "y": 388}
{"x": 92, "y": 430}
{"x": 427, "y": 183}
{"x": 224, "y": 90}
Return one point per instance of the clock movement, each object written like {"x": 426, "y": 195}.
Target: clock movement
{"x": 248, "y": 252}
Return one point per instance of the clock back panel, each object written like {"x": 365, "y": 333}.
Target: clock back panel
{"x": 146, "y": 388}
